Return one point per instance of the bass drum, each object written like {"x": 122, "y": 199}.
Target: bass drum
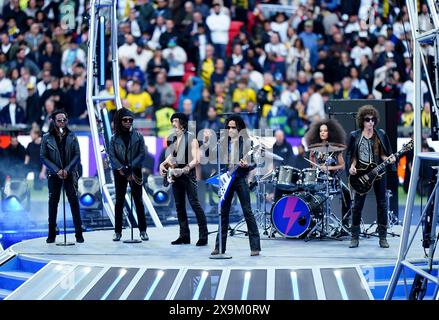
{"x": 294, "y": 215}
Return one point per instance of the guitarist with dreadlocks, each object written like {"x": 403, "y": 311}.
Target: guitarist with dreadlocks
{"x": 367, "y": 146}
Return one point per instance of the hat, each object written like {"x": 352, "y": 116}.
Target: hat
{"x": 30, "y": 85}
{"x": 182, "y": 117}
{"x": 124, "y": 112}
{"x": 216, "y": 3}
{"x": 308, "y": 23}
{"x": 317, "y": 75}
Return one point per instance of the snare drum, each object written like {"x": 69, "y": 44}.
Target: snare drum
{"x": 294, "y": 215}
{"x": 288, "y": 177}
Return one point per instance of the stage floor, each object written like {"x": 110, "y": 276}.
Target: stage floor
{"x": 101, "y": 269}
{"x": 158, "y": 251}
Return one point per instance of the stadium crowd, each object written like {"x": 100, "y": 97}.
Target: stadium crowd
{"x": 281, "y": 60}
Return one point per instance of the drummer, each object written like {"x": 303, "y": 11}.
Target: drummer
{"x": 330, "y": 133}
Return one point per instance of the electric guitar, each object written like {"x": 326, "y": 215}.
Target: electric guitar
{"x": 363, "y": 181}
{"x": 225, "y": 180}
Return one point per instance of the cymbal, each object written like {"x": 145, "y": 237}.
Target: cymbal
{"x": 268, "y": 154}
{"x": 327, "y": 147}
{"x": 265, "y": 142}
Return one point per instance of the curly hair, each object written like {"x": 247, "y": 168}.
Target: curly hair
{"x": 367, "y": 110}
{"x": 336, "y": 133}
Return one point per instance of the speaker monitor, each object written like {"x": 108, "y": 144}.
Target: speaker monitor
{"x": 345, "y": 112}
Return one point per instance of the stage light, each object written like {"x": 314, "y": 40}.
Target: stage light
{"x": 160, "y": 194}
{"x": 90, "y": 197}
{"x": 15, "y": 196}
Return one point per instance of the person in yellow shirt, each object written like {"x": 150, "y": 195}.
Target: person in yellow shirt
{"x": 426, "y": 115}
{"x": 139, "y": 101}
{"x": 207, "y": 66}
{"x": 408, "y": 115}
{"x": 243, "y": 94}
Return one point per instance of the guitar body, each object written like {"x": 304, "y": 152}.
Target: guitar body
{"x": 169, "y": 178}
{"x": 363, "y": 181}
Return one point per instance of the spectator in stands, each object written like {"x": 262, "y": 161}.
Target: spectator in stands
{"x": 296, "y": 58}
{"x": 71, "y": 55}
{"x": 33, "y": 106}
{"x": 162, "y": 116}
{"x": 219, "y": 74}
{"x": 193, "y": 88}
{"x": 315, "y": 110}
{"x": 12, "y": 114}
{"x": 168, "y": 35}
{"x": 32, "y": 159}
{"x": 407, "y": 116}
{"x": 219, "y": 25}
{"x": 221, "y": 100}
{"x": 243, "y": 94}
{"x": 15, "y": 154}
{"x": 426, "y": 115}
{"x": 310, "y": 39}
{"x": 176, "y": 57}
{"x": 139, "y": 102}
{"x": 283, "y": 149}
{"x": 21, "y": 86}
{"x": 22, "y": 61}
{"x": 45, "y": 83}
{"x": 156, "y": 65}
{"x": 56, "y": 94}
{"x": 348, "y": 91}
{"x": 266, "y": 95}
{"x": 167, "y": 93}
{"x": 49, "y": 108}
{"x": 6, "y": 89}
{"x": 133, "y": 72}
{"x": 76, "y": 107}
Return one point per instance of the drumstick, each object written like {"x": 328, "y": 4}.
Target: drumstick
{"x": 311, "y": 162}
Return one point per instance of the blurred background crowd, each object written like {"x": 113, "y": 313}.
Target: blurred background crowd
{"x": 278, "y": 62}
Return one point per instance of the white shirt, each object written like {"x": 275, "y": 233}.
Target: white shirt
{"x": 41, "y": 87}
{"x": 127, "y": 51}
{"x": 408, "y": 88}
{"x": 12, "y": 108}
{"x": 5, "y": 87}
{"x": 176, "y": 62}
{"x": 219, "y": 25}
{"x": 143, "y": 59}
{"x": 357, "y": 52}
{"x": 315, "y": 107}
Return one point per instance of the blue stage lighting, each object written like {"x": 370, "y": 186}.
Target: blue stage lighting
{"x": 12, "y": 204}
{"x": 87, "y": 200}
{"x": 161, "y": 197}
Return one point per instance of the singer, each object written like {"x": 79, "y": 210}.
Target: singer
{"x": 60, "y": 154}
{"x": 127, "y": 151}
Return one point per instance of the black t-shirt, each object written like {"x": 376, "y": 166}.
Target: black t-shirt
{"x": 33, "y": 151}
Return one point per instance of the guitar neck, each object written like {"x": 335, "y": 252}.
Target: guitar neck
{"x": 385, "y": 163}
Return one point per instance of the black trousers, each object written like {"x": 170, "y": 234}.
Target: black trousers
{"x": 241, "y": 188}
{"x": 346, "y": 203}
{"x": 55, "y": 189}
{"x": 121, "y": 183}
{"x": 379, "y": 188}
{"x": 187, "y": 185}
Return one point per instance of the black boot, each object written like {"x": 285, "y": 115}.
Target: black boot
{"x": 382, "y": 232}
{"x": 202, "y": 237}
{"x": 51, "y": 235}
{"x": 182, "y": 240}
{"x": 355, "y": 240}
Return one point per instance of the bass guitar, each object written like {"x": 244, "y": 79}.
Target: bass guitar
{"x": 225, "y": 180}
{"x": 363, "y": 181}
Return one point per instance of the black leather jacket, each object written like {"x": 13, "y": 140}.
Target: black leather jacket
{"x": 354, "y": 139}
{"x": 136, "y": 151}
{"x": 51, "y": 157}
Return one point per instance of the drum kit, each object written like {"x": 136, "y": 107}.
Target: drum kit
{"x": 302, "y": 203}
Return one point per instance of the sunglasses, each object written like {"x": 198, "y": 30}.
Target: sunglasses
{"x": 370, "y": 119}
{"x": 229, "y": 127}
{"x": 130, "y": 120}
{"x": 61, "y": 120}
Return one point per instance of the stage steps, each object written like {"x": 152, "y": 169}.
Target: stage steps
{"x": 378, "y": 278}
{"x": 15, "y": 271}
{"x": 85, "y": 282}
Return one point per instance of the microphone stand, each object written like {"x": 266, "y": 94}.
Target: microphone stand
{"x": 131, "y": 183}
{"x": 65, "y": 243}
{"x": 220, "y": 254}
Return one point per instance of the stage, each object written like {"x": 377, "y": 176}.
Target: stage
{"x": 155, "y": 269}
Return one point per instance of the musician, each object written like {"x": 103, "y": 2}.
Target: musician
{"x": 60, "y": 153}
{"x": 238, "y": 144}
{"x": 185, "y": 157}
{"x": 369, "y": 145}
{"x": 330, "y": 131}
{"x": 127, "y": 152}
